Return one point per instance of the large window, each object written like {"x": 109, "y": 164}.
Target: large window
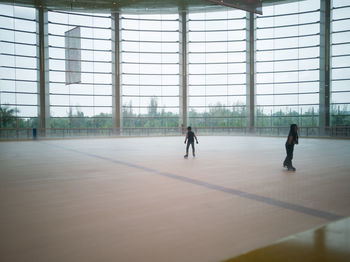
{"x": 217, "y": 68}
{"x": 19, "y": 67}
{"x": 77, "y": 55}
{"x": 287, "y": 64}
{"x": 80, "y": 69}
{"x": 340, "y": 50}
{"x": 150, "y": 70}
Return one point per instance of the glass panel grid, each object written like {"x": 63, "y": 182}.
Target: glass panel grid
{"x": 86, "y": 102}
{"x": 340, "y": 72}
{"x": 217, "y": 68}
{"x": 19, "y": 63}
{"x": 287, "y": 67}
{"x": 150, "y": 68}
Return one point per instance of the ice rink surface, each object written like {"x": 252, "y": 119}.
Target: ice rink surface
{"x": 138, "y": 199}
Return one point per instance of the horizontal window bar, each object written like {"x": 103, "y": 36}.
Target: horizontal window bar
{"x": 136, "y": 52}
{"x": 343, "y": 43}
{"x": 79, "y": 106}
{"x": 164, "y": 85}
{"x": 20, "y": 80}
{"x": 77, "y": 14}
{"x": 150, "y": 63}
{"x": 341, "y": 31}
{"x": 16, "y": 92}
{"x": 157, "y": 42}
{"x": 149, "y": 30}
{"x": 81, "y": 60}
{"x": 288, "y": 71}
{"x": 125, "y": 106}
{"x": 218, "y": 52}
{"x": 18, "y": 43}
{"x": 340, "y": 19}
{"x": 340, "y": 7}
{"x": 341, "y": 79}
{"x": 210, "y": 106}
{"x": 216, "y": 74}
{"x": 217, "y": 41}
{"x": 219, "y": 30}
{"x": 73, "y": 94}
{"x": 293, "y": 82}
{"x": 219, "y": 63}
{"x": 149, "y": 74}
{"x": 287, "y": 48}
{"x": 19, "y": 18}
{"x": 145, "y": 19}
{"x": 151, "y": 117}
{"x": 83, "y": 26}
{"x": 77, "y": 117}
{"x": 342, "y": 91}
{"x": 218, "y": 117}
{"x": 20, "y": 31}
{"x": 80, "y": 37}
{"x": 151, "y": 96}
{"x": 14, "y": 55}
{"x": 289, "y": 105}
{"x": 340, "y": 67}
{"x": 287, "y": 37}
{"x": 286, "y": 26}
{"x": 215, "y": 85}
{"x": 298, "y": 13}
{"x": 284, "y": 60}
{"x": 216, "y": 95}
{"x": 93, "y": 84}
{"x": 24, "y": 68}
{"x": 286, "y": 94}
{"x": 217, "y": 19}
{"x": 82, "y": 49}
{"x": 82, "y": 72}
{"x": 230, "y": 84}
{"x": 9, "y": 104}
{"x": 299, "y": 115}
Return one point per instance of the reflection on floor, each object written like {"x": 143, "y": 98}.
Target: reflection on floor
{"x": 138, "y": 199}
{"x": 328, "y": 243}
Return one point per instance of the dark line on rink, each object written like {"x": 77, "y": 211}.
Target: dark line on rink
{"x": 235, "y": 192}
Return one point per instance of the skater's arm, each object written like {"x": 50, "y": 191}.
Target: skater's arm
{"x": 290, "y": 140}
{"x": 196, "y": 138}
{"x": 186, "y": 138}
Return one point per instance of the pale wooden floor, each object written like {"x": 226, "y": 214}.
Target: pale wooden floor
{"x": 138, "y": 199}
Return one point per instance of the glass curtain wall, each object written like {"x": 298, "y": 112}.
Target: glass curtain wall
{"x": 340, "y": 76}
{"x": 287, "y": 64}
{"x": 19, "y": 67}
{"x": 217, "y": 68}
{"x": 150, "y": 70}
{"x": 80, "y": 70}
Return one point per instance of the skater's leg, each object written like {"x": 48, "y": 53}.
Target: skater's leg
{"x": 193, "y": 151}
{"x": 288, "y": 160}
{"x": 187, "y": 147}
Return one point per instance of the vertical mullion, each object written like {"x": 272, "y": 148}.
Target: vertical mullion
{"x": 43, "y": 61}
{"x": 183, "y": 68}
{"x": 250, "y": 75}
{"x": 324, "y": 101}
{"x": 116, "y": 88}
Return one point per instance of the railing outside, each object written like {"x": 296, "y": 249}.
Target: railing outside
{"x": 29, "y": 133}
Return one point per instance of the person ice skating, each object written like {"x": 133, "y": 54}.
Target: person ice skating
{"x": 190, "y": 136}
{"x": 291, "y": 141}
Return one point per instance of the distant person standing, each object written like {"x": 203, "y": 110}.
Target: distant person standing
{"x": 291, "y": 141}
{"x": 190, "y": 136}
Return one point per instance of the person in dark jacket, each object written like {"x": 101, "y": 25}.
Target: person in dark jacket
{"x": 190, "y": 136}
{"x": 291, "y": 141}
